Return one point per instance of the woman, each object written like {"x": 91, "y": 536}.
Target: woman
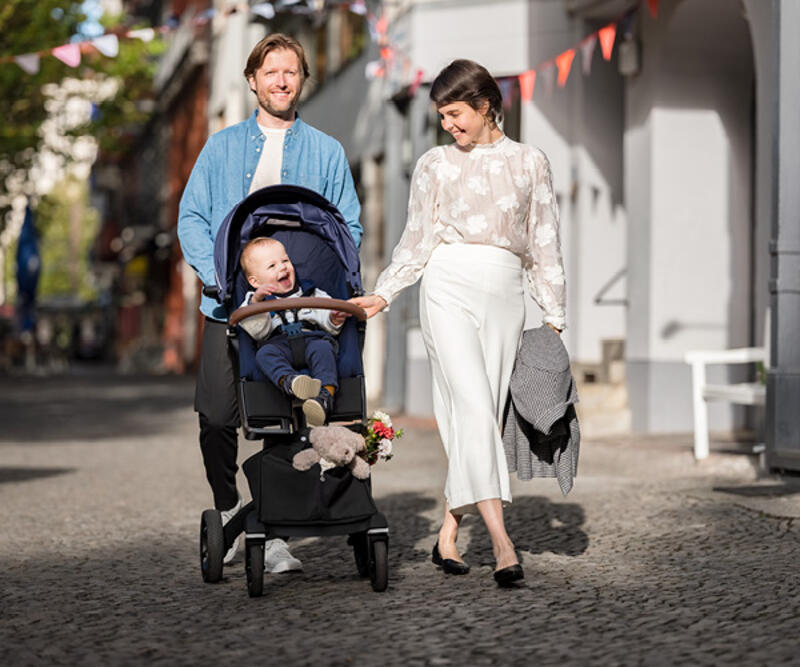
{"x": 481, "y": 211}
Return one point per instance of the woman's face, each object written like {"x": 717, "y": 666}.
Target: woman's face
{"x": 465, "y": 124}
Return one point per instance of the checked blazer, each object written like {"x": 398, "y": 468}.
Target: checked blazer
{"x": 541, "y": 436}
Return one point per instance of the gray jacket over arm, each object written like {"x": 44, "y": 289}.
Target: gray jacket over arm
{"x": 540, "y": 427}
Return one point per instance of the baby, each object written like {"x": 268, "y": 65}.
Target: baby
{"x": 269, "y": 270}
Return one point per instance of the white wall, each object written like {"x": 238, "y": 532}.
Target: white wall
{"x": 689, "y": 188}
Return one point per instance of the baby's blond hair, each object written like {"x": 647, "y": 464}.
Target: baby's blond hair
{"x": 247, "y": 251}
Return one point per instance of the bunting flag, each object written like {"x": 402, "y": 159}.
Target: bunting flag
{"x": 144, "y": 34}
{"x": 264, "y": 10}
{"x": 69, "y": 54}
{"x": 527, "y": 81}
{"x": 607, "y": 36}
{"x": 108, "y": 45}
{"x": 373, "y": 70}
{"x": 418, "y": 76}
{"x": 548, "y": 71}
{"x": 653, "y": 5}
{"x": 564, "y": 63}
{"x": 506, "y": 86}
{"x": 358, "y": 7}
{"x": 587, "y": 51}
{"x": 29, "y": 62}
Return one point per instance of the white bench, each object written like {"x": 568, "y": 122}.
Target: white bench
{"x": 743, "y": 393}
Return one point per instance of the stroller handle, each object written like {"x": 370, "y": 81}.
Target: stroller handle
{"x": 295, "y": 303}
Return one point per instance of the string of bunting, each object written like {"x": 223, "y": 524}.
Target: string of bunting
{"x": 556, "y": 69}
{"x": 108, "y": 43}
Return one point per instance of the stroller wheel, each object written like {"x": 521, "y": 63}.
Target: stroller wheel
{"x": 379, "y": 565}
{"x": 361, "y": 553}
{"x": 212, "y": 546}
{"x": 254, "y": 566}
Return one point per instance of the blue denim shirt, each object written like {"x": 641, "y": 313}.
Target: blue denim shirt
{"x": 221, "y": 178}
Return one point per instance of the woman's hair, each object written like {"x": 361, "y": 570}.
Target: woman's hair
{"x": 275, "y": 42}
{"x": 467, "y": 81}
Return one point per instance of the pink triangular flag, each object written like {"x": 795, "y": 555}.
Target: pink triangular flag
{"x": 108, "y": 45}
{"x": 587, "y": 51}
{"x": 607, "y": 36}
{"x": 564, "y": 62}
{"x": 69, "y": 54}
{"x": 548, "y": 71}
{"x": 28, "y": 62}
{"x": 527, "y": 81}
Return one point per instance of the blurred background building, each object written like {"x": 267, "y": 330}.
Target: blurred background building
{"x": 671, "y": 157}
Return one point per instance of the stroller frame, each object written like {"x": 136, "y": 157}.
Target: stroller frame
{"x": 270, "y": 415}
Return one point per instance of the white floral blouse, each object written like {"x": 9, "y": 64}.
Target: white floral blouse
{"x": 497, "y": 194}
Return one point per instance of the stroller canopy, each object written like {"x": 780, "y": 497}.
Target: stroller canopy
{"x": 281, "y": 206}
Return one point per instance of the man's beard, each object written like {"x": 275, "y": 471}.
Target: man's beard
{"x": 264, "y": 102}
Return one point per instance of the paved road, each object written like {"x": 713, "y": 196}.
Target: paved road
{"x": 651, "y": 559}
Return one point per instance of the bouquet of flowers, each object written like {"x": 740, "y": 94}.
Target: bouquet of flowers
{"x": 379, "y": 435}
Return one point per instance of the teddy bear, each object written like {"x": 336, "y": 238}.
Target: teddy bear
{"x": 333, "y": 446}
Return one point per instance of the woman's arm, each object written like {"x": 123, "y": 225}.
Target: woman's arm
{"x": 415, "y": 246}
{"x": 544, "y": 265}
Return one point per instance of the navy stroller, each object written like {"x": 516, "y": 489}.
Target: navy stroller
{"x": 286, "y": 501}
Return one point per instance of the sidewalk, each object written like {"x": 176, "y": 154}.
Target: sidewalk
{"x": 651, "y": 559}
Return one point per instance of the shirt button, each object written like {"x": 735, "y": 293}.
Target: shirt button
{"x": 248, "y": 175}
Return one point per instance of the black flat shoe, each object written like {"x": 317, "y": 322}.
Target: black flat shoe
{"x": 449, "y": 565}
{"x": 508, "y": 575}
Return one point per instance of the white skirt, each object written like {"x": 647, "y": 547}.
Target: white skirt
{"x": 472, "y": 312}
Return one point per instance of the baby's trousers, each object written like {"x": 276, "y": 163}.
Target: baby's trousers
{"x": 274, "y": 358}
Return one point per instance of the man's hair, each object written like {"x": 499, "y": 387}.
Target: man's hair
{"x": 275, "y": 42}
{"x": 252, "y": 245}
{"x": 467, "y": 81}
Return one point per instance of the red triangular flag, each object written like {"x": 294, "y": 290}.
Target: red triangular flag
{"x": 587, "y": 51}
{"x": 69, "y": 54}
{"x": 607, "y": 36}
{"x": 527, "y": 80}
{"x": 653, "y": 5}
{"x": 564, "y": 63}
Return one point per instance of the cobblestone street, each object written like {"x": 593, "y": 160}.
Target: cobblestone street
{"x": 652, "y": 559}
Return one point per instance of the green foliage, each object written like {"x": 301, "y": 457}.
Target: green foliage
{"x": 67, "y": 229}
{"x": 27, "y": 27}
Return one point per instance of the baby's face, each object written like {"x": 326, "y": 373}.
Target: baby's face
{"x": 271, "y": 267}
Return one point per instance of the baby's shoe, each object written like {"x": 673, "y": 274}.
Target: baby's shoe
{"x": 302, "y": 386}
{"x": 316, "y": 409}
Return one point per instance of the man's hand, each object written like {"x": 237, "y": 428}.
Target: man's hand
{"x": 261, "y": 293}
{"x": 371, "y": 303}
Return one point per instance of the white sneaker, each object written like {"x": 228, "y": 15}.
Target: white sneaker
{"x": 277, "y": 557}
{"x": 227, "y": 515}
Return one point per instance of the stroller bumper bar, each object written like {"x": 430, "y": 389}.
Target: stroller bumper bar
{"x": 296, "y": 303}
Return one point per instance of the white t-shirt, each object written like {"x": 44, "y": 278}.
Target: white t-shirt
{"x": 268, "y": 170}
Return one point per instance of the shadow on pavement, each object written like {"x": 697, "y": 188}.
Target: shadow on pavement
{"x": 19, "y": 474}
{"x": 536, "y": 525}
{"x": 761, "y": 490}
{"x": 47, "y": 409}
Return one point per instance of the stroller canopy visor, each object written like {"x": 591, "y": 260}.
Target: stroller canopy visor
{"x": 281, "y": 206}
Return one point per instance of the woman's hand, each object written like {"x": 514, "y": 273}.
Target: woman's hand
{"x": 371, "y": 303}
{"x": 558, "y": 331}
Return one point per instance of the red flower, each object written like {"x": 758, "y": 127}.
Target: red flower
{"x": 383, "y": 431}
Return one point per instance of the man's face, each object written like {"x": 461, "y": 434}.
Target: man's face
{"x": 270, "y": 266}
{"x": 278, "y": 83}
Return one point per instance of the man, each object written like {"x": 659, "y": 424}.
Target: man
{"x": 273, "y": 146}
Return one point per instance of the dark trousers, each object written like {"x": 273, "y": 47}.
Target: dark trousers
{"x": 274, "y": 358}
{"x": 215, "y": 402}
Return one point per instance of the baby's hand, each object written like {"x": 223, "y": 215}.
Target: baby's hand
{"x": 261, "y": 293}
{"x": 338, "y": 317}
